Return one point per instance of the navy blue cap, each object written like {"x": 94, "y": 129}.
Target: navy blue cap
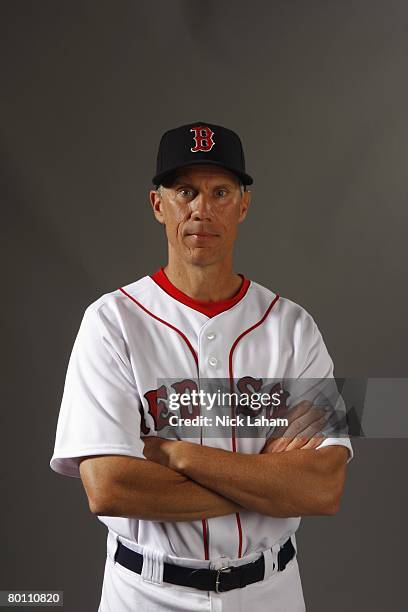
{"x": 200, "y": 143}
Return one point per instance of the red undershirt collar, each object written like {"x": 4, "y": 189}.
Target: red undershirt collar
{"x": 208, "y": 308}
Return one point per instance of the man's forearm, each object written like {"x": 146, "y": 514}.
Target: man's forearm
{"x": 146, "y": 490}
{"x": 293, "y": 483}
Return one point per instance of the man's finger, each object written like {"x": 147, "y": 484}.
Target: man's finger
{"x": 303, "y": 437}
{"x": 304, "y": 421}
{"x": 275, "y": 445}
{"x": 303, "y": 442}
{"x": 314, "y": 442}
{"x": 295, "y": 412}
{"x": 315, "y": 427}
{"x": 297, "y": 434}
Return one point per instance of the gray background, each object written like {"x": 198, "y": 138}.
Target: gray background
{"x": 318, "y": 92}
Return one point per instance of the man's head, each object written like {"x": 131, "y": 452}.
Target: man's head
{"x": 200, "y": 193}
{"x": 201, "y": 208}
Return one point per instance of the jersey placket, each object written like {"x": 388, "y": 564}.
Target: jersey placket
{"x": 213, "y": 363}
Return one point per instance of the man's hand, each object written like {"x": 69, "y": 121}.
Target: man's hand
{"x": 304, "y": 430}
{"x": 161, "y": 450}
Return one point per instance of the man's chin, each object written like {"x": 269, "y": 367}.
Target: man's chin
{"x": 202, "y": 256}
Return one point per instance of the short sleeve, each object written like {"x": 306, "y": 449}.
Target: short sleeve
{"x": 99, "y": 412}
{"x": 316, "y": 373}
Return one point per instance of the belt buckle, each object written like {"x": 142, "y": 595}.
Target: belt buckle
{"x": 217, "y": 578}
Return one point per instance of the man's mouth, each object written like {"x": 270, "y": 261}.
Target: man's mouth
{"x": 202, "y": 234}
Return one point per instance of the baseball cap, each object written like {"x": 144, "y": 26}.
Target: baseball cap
{"x": 200, "y": 143}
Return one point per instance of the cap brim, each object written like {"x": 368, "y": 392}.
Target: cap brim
{"x": 244, "y": 178}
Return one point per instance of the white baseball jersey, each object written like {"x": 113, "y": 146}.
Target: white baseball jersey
{"x": 147, "y": 331}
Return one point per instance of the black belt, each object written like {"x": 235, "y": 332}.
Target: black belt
{"x": 223, "y": 579}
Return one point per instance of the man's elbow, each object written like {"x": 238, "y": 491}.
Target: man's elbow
{"x": 99, "y": 502}
{"x": 325, "y": 503}
{"x": 333, "y": 468}
{"x": 99, "y": 485}
{"x": 331, "y": 496}
{"x": 330, "y": 505}
{"x": 100, "y": 506}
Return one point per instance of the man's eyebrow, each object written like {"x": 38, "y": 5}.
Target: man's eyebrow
{"x": 179, "y": 184}
{"x": 183, "y": 184}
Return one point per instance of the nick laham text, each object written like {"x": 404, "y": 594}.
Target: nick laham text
{"x": 227, "y": 421}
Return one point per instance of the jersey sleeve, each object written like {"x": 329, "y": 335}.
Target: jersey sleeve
{"x": 99, "y": 412}
{"x": 316, "y": 376}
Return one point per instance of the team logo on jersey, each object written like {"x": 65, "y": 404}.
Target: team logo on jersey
{"x": 203, "y": 137}
{"x": 159, "y": 410}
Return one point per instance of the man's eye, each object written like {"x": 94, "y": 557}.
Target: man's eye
{"x": 186, "y": 193}
{"x": 222, "y": 192}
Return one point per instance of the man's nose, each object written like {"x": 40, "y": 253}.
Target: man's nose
{"x": 201, "y": 207}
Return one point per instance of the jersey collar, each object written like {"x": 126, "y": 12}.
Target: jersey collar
{"x": 210, "y": 309}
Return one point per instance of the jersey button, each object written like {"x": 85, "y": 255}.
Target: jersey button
{"x": 211, "y": 335}
{"x": 213, "y": 361}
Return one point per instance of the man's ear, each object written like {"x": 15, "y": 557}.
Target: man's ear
{"x": 156, "y": 202}
{"x": 244, "y": 205}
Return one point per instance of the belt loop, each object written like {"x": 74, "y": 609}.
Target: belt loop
{"x": 275, "y": 550}
{"x": 152, "y": 570}
{"x": 112, "y": 544}
{"x": 268, "y": 558}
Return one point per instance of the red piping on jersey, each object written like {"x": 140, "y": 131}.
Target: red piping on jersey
{"x": 231, "y": 375}
{"x": 205, "y": 538}
{"x": 186, "y": 340}
{"x": 194, "y": 354}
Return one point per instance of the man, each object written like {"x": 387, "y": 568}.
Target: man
{"x": 199, "y": 522}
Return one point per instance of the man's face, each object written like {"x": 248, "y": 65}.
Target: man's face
{"x": 201, "y": 211}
